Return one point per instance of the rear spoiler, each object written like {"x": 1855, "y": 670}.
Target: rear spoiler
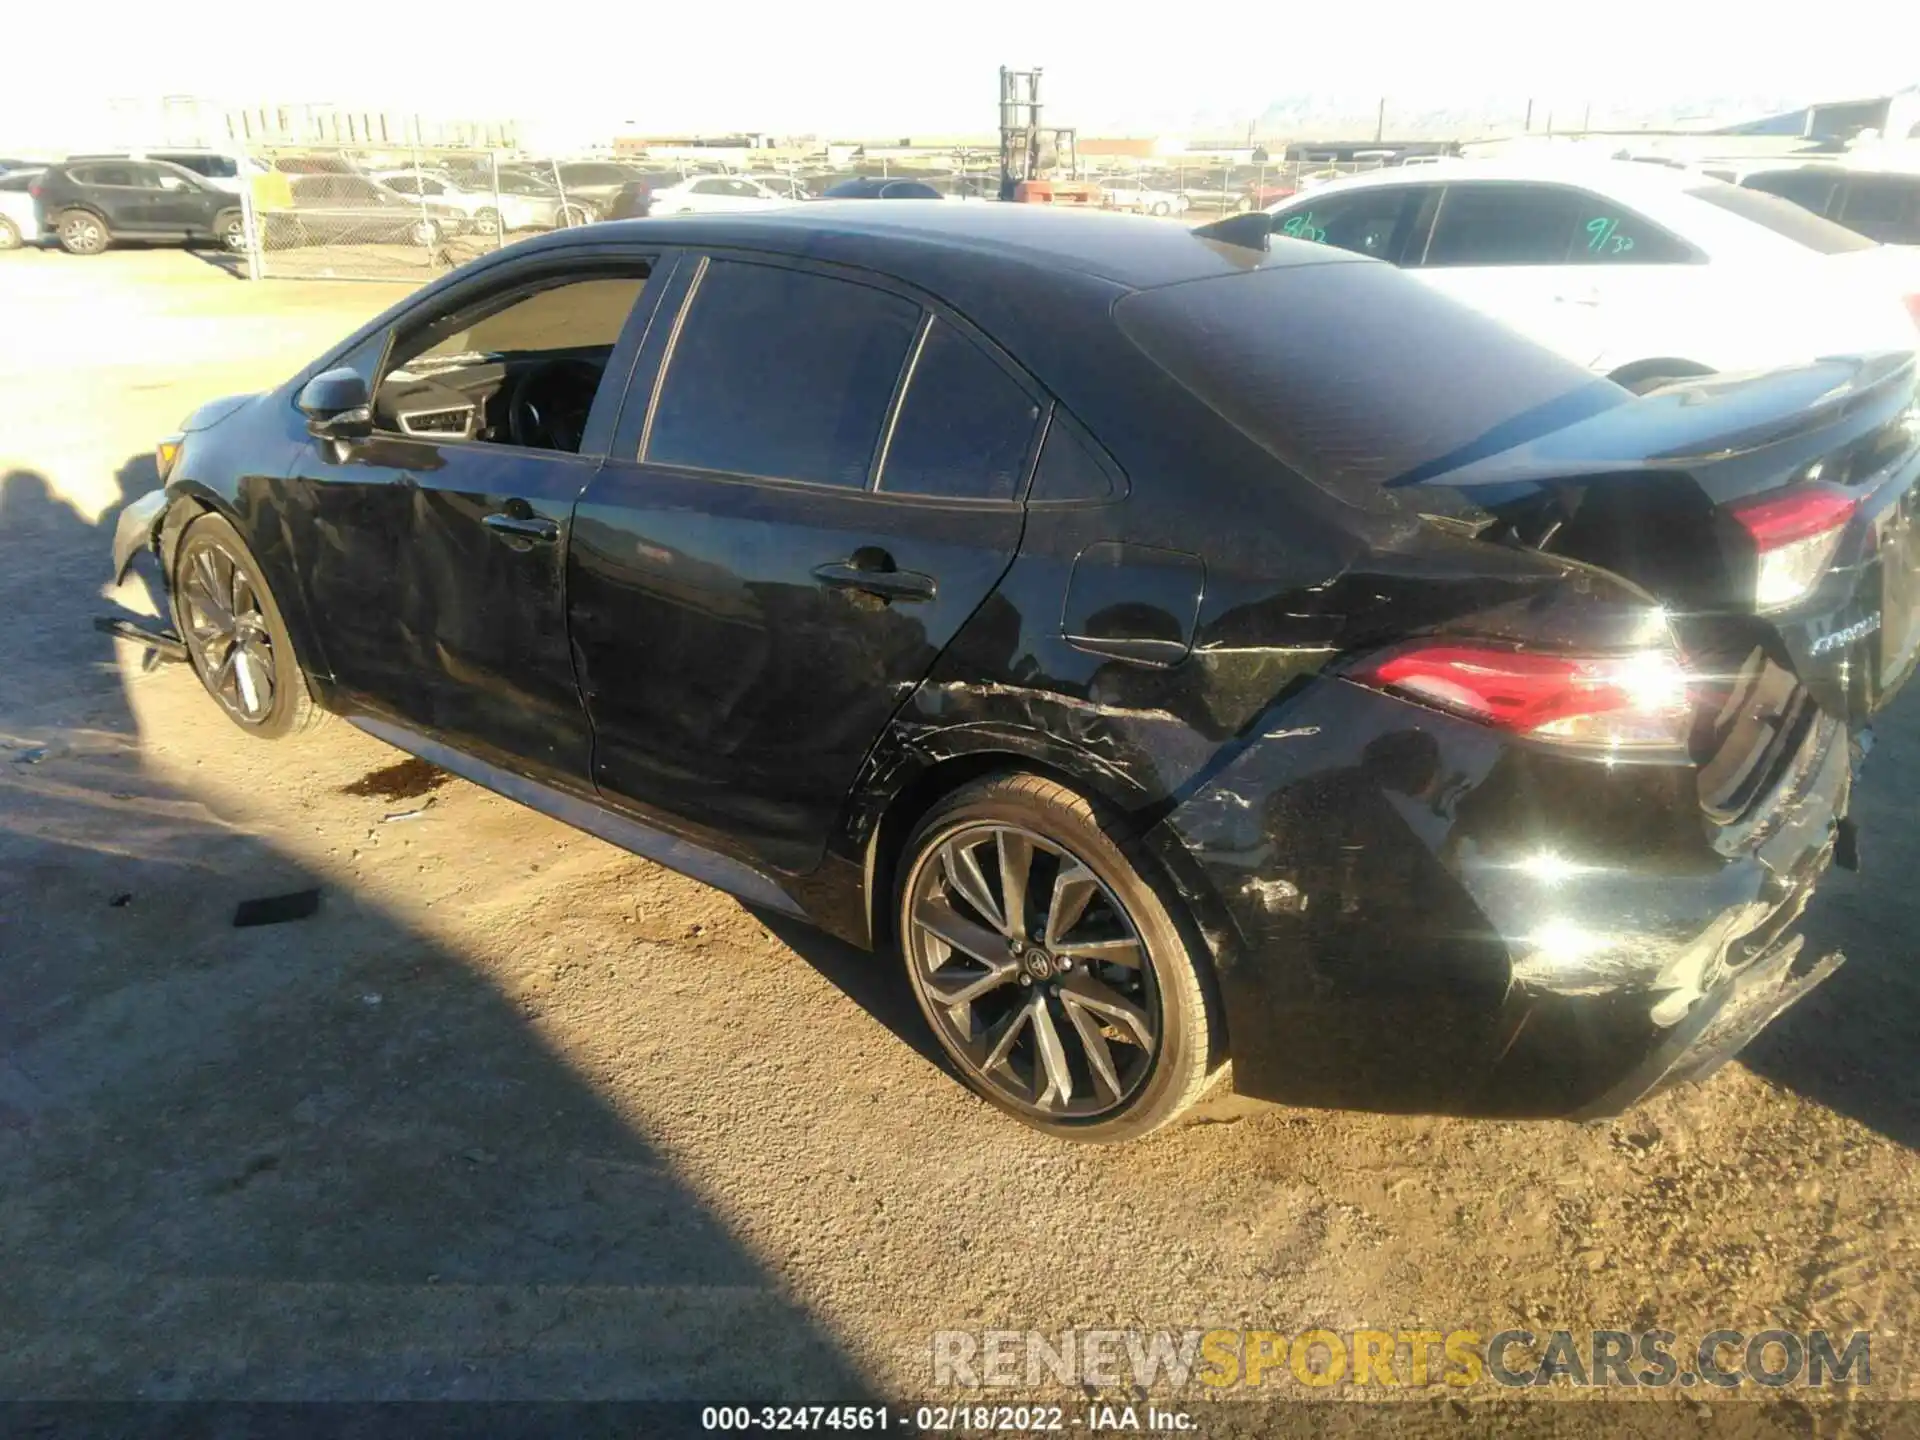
{"x": 1715, "y": 425}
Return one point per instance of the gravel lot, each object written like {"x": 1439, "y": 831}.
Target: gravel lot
{"x": 516, "y": 1114}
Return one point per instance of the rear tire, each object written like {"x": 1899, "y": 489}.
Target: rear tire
{"x": 9, "y": 234}
{"x": 236, "y": 636}
{"x": 487, "y": 220}
{"x": 1088, "y": 1015}
{"x": 81, "y": 232}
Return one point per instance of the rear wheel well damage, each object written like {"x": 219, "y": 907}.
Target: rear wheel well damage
{"x": 1203, "y": 925}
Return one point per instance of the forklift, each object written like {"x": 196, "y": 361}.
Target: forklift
{"x": 1038, "y": 166}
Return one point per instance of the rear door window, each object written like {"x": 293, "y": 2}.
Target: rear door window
{"x": 1505, "y": 225}
{"x": 965, "y": 429}
{"x": 1373, "y": 221}
{"x": 1610, "y": 234}
{"x": 103, "y": 175}
{"x": 782, "y": 373}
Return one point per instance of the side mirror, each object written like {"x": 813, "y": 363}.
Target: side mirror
{"x": 337, "y": 405}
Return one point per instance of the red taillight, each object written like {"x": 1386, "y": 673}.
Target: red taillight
{"x": 33, "y": 189}
{"x": 1636, "y": 700}
{"x": 1913, "y": 307}
{"x": 1794, "y": 535}
{"x": 1790, "y": 518}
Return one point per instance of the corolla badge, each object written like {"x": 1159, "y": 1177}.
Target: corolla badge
{"x": 1840, "y": 639}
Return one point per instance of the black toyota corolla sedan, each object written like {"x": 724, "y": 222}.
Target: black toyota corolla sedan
{"x": 1174, "y": 650}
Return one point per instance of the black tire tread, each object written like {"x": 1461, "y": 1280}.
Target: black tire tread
{"x": 305, "y": 713}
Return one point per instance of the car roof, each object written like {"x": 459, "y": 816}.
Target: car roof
{"x": 1621, "y": 179}
{"x": 913, "y": 240}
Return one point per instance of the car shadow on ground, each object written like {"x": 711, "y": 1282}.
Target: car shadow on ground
{"x": 1851, "y": 1044}
{"x": 255, "y": 1163}
{"x": 873, "y": 981}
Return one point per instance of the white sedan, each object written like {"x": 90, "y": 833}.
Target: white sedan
{"x": 1142, "y": 198}
{"x": 704, "y": 194}
{"x": 1639, "y": 272}
{"x": 19, "y": 217}
{"x": 516, "y": 203}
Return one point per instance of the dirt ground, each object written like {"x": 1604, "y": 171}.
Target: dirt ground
{"x": 516, "y": 1114}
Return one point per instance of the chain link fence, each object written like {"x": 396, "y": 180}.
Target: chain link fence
{"x": 398, "y": 214}
{"x": 412, "y": 212}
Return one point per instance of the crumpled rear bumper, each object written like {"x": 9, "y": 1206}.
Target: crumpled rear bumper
{"x": 1422, "y": 916}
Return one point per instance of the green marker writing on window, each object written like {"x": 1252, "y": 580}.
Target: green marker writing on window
{"x": 1301, "y": 227}
{"x": 1603, "y": 237}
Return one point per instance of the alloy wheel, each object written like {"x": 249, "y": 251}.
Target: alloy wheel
{"x": 1033, "y": 972}
{"x": 228, "y": 633}
{"x": 83, "y": 233}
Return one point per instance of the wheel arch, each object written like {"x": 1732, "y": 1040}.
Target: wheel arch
{"x": 190, "y": 499}
{"x": 1202, "y": 921}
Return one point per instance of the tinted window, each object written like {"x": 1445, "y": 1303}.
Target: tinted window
{"x": 1068, "y": 467}
{"x": 1610, "y": 234}
{"x": 1356, "y": 376}
{"x": 1783, "y": 218}
{"x": 1367, "y": 222}
{"x": 1809, "y": 188}
{"x": 103, "y": 175}
{"x": 404, "y": 184}
{"x": 782, "y": 373}
{"x": 1504, "y": 225}
{"x": 445, "y": 377}
{"x": 582, "y": 315}
{"x": 965, "y": 427}
{"x": 909, "y": 190}
{"x": 593, "y": 174}
{"x": 712, "y": 187}
{"x": 1885, "y": 207}
{"x": 18, "y": 180}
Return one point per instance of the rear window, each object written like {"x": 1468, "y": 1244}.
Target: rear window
{"x": 1783, "y": 218}
{"x": 1357, "y": 376}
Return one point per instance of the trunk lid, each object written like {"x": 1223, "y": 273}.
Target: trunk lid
{"x": 1682, "y": 491}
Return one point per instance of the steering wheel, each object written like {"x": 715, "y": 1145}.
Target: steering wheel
{"x": 547, "y": 408}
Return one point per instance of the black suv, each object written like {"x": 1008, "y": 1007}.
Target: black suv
{"x": 88, "y": 204}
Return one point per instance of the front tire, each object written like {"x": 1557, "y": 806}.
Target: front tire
{"x": 236, "y": 637}
{"x": 1161, "y": 207}
{"x": 426, "y": 234}
{"x": 81, "y": 232}
{"x": 230, "y": 229}
{"x": 486, "y": 220}
{"x": 9, "y": 234}
{"x": 1047, "y": 964}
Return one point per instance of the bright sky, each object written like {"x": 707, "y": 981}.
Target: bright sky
{"x": 871, "y": 69}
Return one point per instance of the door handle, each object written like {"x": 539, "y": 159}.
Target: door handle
{"x": 876, "y": 579}
{"x": 523, "y": 527}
